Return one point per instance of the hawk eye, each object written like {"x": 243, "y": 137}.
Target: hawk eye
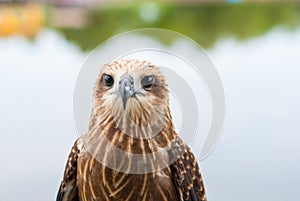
{"x": 108, "y": 80}
{"x": 147, "y": 81}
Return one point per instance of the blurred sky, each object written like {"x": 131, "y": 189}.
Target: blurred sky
{"x": 257, "y": 158}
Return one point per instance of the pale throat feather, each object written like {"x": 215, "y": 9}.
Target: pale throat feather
{"x": 136, "y": 125}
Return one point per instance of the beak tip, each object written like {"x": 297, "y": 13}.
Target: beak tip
{"x": 124, "y": 106}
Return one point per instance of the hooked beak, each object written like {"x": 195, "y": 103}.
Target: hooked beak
{"x": 126, "y": 89}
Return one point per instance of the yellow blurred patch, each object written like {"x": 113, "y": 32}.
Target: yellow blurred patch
{"x": 26, "y": 20}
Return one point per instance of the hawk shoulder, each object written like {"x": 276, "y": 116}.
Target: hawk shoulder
{"x": 186, "y": 173}
{"x": 68, "y": 188}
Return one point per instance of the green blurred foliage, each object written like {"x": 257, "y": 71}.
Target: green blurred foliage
{"x": 204, "y": 23}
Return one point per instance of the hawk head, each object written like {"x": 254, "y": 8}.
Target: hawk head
{"x": 132, "y": 93}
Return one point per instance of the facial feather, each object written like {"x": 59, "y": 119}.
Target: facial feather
{"x": 141, "y": 109}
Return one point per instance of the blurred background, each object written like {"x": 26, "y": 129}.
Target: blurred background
{"x": 255, "y": 45}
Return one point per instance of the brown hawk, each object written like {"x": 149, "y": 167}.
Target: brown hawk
{"x": 131, "y": 150}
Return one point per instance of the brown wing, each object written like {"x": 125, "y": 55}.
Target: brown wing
{"x": 186, "y": 175}
{"x": 68, "y": 188}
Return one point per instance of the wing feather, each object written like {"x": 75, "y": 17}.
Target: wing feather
{"x": 68, "y": 188}
{"x": 186, "y": 174}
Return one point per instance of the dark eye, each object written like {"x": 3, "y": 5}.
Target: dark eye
{"x": 108, "y": 80}
{"x": 147, "y": 81}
